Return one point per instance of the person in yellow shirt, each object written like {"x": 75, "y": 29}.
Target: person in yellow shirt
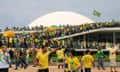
{"x": 72, "y": 63}
{"x": 87, "y": 61}
{"x": 39, "y": 50}
{"x": 10, "y": 41}
{"x": 0, "y": 50}
{"x": 27, "y": 56}
{"x": 42, "y": 59}
{"x": 60, "y": 57}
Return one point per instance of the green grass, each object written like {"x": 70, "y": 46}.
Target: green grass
{"x": 106, "y": 58}
{"x": 54, "y": 58}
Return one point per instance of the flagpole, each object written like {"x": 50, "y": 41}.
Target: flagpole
{"x": 114, "y": 37}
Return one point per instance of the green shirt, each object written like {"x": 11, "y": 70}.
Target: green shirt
{"x": 100, "y": 54}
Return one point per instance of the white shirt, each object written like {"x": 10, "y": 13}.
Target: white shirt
{"x": 112, "y": 52}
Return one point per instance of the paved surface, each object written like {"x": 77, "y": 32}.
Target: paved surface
{"x": 106, "y": 64}
{"x": 53, "y": 69}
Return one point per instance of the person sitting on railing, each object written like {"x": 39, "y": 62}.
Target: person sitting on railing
{"x": 91, "y": 26}
{"x": 85, "y": 27}
{"x": 108, "y": 24}
{"x": 81, "y": 28}
{"x": 98, "y": 25}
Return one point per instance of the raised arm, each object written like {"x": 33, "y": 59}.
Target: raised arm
{"x": 54, "y": 50}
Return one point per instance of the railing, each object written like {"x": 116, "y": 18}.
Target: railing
{"x": 90, "y": 31}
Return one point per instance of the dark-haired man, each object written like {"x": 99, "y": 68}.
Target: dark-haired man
{"x": 112, "y": 56}
{"x": 72, "y": 62}
{"x": 43, "y": 59}
{"x": 87, "y": 61}
{"x": 100, "y": 56}
{"x": 60, "y": 57}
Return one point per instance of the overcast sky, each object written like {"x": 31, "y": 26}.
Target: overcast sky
{"x": 23, "y": 12}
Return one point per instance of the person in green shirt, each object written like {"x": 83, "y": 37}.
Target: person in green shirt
{"x": 100, "y": 56}
{"x": 15, "y": 42}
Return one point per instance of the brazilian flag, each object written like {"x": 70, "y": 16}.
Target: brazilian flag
{"x": 96, "y": 13}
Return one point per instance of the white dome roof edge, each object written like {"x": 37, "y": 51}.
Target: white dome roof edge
{"x": 62, "y": 18}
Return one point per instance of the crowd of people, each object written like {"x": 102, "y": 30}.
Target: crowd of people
{"x": 66, "y": 58}
{"x": 82, "y": 27}
{"x": 40, "y": 45}
{"x": 42, "y": 35}
{"x": 26, "y": 41}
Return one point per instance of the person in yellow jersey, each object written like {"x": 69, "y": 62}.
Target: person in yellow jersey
{"x": 66, "y": 55}
{"x": 10, "y": 41}
{"x": 21, "y": 40}
{"x": 27, "y": 56}
{"x": 39, "y": 50}
{"x": 60, "y": 57}
{"x": 0, "y": 50}
{"x": 87, "y": 61}
{"x": 36, "y": 40}
{"x": 43, "y": 59}
{"x": 72, "y": 63}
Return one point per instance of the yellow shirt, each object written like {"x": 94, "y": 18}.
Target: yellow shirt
{"x": 63, "y": 42}
{"x": 87, "y": 61}
{"x": 21, "y": 40}
{"x": 60, "y": 54}
{"x": 10, "y": 40}
{"x": 84, "y": 43}
{"x": 81, "y": 28}
{"x": 58, "y": 42}
{"x": 72, "y": 63}
{"x": 36, "y": 40}
{"x": 44, "y": 42}
{"x": 0, "y": 50}
{"x": 103, "y": 44}
{"x": 43, "y": 60}
{"x": 94, "y": 44}
{"x": 27, "y": 53}
{"x": 39, "y": 51}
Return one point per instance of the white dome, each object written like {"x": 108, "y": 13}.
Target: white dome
{"x": 61, "y": 18}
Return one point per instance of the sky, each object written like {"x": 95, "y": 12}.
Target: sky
{"x": 23, "y": 12}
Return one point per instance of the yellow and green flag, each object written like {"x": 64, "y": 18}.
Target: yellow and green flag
{"x": 96, "y": 13}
